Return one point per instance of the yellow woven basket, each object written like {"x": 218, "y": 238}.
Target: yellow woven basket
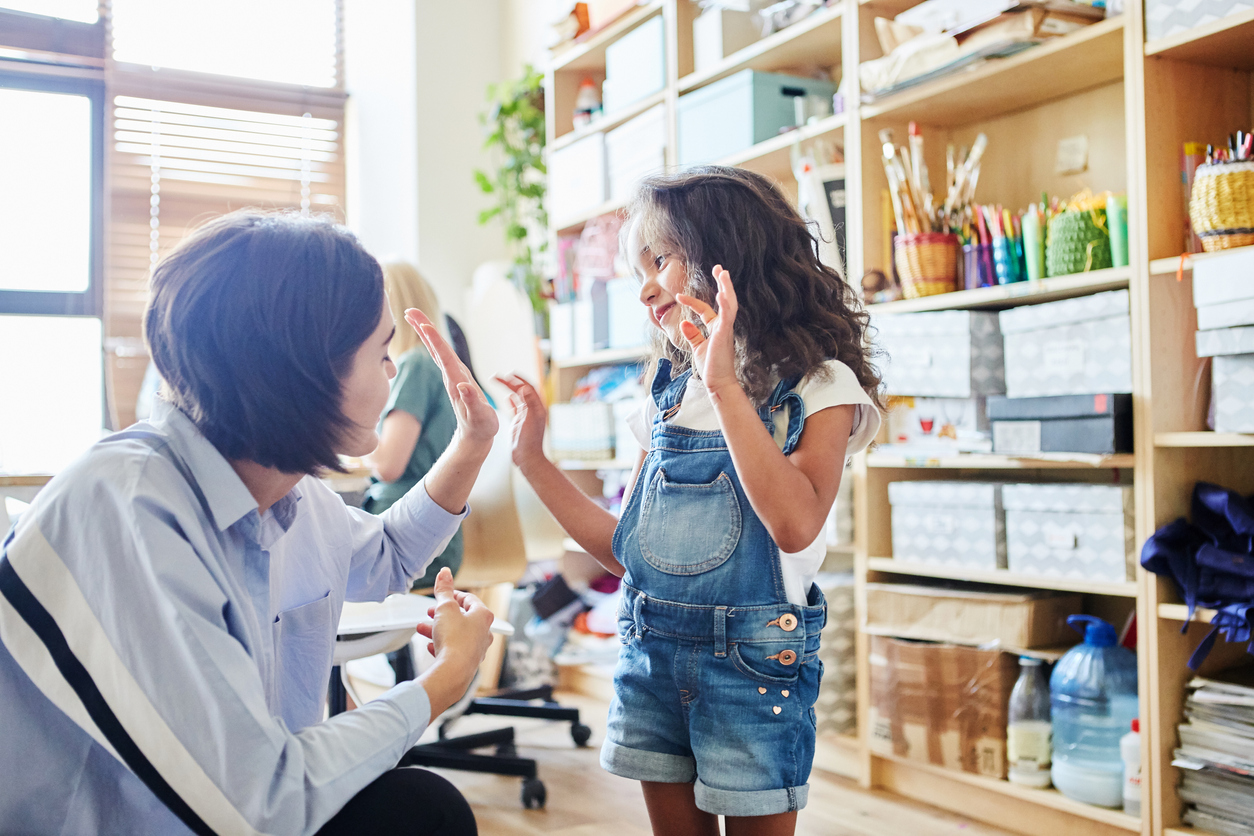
{"x": 1222, "y": 205}
{"x": 927, "y": 263}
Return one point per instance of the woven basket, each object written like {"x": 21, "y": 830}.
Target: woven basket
{"x": 1078, "y": 242}
{"x": 927, "y": 263}
{"x": 1222, "y": 205}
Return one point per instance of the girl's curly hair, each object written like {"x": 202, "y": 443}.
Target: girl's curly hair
{"x": 795, "y": 312}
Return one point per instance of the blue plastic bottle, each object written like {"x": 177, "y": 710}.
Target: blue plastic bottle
{"x": 1093, "y": 701}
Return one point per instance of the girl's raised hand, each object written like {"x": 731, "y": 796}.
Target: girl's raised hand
{"x": 530, "y": 417}
{"x": 714, "y": 357}
{"x": 476, "y": 419}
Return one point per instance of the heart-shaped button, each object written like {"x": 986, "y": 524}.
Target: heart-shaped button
{"x": 761, "y": 690}
{"x": 785, "y": 693}
{"x": 776, "y": 709}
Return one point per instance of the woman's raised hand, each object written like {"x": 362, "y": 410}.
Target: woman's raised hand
{"x": 530, "y": 417}
{"x": 714, "y": 357}
{"x": 476, "y": 419}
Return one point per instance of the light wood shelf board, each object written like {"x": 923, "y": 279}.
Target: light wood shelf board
{"x": 1222, "y": 43}
{"x": 1057, "y": 68}
{"x": 576, "y": 223}
{"x": 1170, "y": 266}
{"x": 590, "y": 54}
{"x": 774, "y": 154}
{"x": 890, "y": 565}
{"x": 994, "y": 461}
{"x": 1013, "y": 295}
{"x": 602, "y": 358}
{"x": 1186, "y": 830}
{"x": 24, "y": 480}
{"x": 1051, "y": 798}
{"x": 814, "y": 41}
{"x": 1180, "y": 612}
{"x": 1203, "y": 439}
{"x": 608, "y": 121}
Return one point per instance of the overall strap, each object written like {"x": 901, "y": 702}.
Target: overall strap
{"x": 668, "y": 393}
{"x": 784, "y": 395}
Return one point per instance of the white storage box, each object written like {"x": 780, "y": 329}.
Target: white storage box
{"x": 1171, "y": 17}
{"x": 1222, "y": 278}
{"x": 1077, "y": 346}
{"x": 836, "y": 709}
{"x": 626, "y": 314}
{"x": 717, "y": 33}
{"x": 577, "y": 178}
{"x": 581, "y": 431}
{"x": 1070, "y": 531}
{"x": 946, "y": 354}
{"x": 635, "y": 150}
{"x": 562, "y": 330}
{"x": 635, "y": 66}
{"x": 948, "y": 523}
{"x": 1232, "y": 376}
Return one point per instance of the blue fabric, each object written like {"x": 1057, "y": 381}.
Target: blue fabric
{"x": 1211, "y": 561}
{"x": 718, "y": 673}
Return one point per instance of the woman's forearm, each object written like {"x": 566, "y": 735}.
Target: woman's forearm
{"x": 452, "y": 476}
{"x": 588, "y": 524}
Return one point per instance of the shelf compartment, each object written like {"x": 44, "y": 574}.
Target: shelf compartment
{"x": 1013, "y": 295}
{"x": 1017, "y": 795}
{"x": 1127, "y": 589}
{"x": 590, "y": 55}
{"x": 774, "y": 154}
{"x": 603, "y": 357}
{"x": 1203, "y": 439}
{"x": 608, "y": 122}
{"x": 1180, "y": 612}
{"x": 813, "y": 41}
{"x": 1058, "y": 68}
{"x": 995, "y": 461}
{"x": 1170, "y": 266}
{"x": 1221, "y": 43}
{"x": 576, "y": 222}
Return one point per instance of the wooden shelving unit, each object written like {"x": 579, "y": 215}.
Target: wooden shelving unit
{"x": 1137, "y": 103}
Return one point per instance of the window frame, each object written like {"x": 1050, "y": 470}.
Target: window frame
{"x": 89, "y": 302}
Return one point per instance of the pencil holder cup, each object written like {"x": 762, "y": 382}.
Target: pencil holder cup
{"x": 1222, "y": 205}
{"x": 1078, "y": 242}
{"x": 927, "y": 263}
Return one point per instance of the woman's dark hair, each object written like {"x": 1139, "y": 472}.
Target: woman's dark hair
{"x": 795, "y": 312}
{"x": 254, "y": 320}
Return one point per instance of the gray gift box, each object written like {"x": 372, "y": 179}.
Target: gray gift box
{"x": 1074, "y": 347}
{"x": 942, "y": 354}
{"x": 1170, "y": 17}
{"x": 948, "y": 523}
{"x": 1225, "y": 341}
{"x": 1232, "y": 382}
{"x": 1070, "y": 531}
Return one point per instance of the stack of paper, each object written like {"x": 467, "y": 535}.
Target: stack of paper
{"x": 1216, "y": 754}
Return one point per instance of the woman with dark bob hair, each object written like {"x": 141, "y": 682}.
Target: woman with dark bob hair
{"x": 168, "y": 604}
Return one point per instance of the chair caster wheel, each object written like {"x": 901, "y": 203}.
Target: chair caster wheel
{"x": 580, "y": 733}
{"x": 533, "y": 794}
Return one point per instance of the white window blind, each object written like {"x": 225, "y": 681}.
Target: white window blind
{"x": 84, "y": 11}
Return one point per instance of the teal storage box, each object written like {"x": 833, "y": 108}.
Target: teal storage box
{"x": 739, "y": 111}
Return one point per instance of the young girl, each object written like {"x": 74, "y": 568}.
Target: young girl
{"x": 753, "y": 414}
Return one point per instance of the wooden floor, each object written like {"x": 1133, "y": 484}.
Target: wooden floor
{"x": 585, "y": 800}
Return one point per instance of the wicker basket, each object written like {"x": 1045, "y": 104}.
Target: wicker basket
{"x": 927, "y": 263}
{"x": 1078, "y": 242}
{"x": 1222, "y": 205}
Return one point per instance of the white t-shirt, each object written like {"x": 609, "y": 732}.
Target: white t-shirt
{"x": 840, "y": 387}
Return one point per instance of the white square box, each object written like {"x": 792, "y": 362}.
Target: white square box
{"x": 635, "y": 66}
{"x": 945, "y": 354}
{"x": 1083, "y": 532}
{"x": 948, "y": 523}
{"x": 1079, "y": 346}
{"x": 634, "y": 150}
{"x": 577, "y": 181}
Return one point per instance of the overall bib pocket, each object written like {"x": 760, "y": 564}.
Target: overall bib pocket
{"x": 689, "y": 529}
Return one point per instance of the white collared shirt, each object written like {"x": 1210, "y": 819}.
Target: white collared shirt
{"x": 163, "y": 644}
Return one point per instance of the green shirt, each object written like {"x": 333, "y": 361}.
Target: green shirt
{"x": 418, "y": 389}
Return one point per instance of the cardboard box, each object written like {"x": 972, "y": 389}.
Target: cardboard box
{"x": 1017, "y": 620}
{"x": 1070, "y": 531}
{"x": 944, "y": 354}
{"x": 1074, "y": 347}
{"x": 1062, "y": 424}
{"x": 948, "y": 523}
{"x": 941, "y": 704}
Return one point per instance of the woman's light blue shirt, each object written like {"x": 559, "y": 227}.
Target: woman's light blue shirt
{"x": 146, "y": 607}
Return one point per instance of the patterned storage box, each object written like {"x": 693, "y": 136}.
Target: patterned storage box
{"x": 1074, "y": 347}
{"x": 836, "y": 710}
{"x": 946, "y": 354}
{"x": 948, "y": 523}
{"x": 1170, "y": 17}
{"x": 1232, "y": 382}
{"x": 1070, "y": 531}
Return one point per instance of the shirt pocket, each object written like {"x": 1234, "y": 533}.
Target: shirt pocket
{"x": 687, "y": 529}
{"x": 304, "y": 637}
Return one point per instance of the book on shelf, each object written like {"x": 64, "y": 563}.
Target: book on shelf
{"x": 1216, "y": 753}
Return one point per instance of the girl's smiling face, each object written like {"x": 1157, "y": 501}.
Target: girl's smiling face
{"x": 662, "y": 276}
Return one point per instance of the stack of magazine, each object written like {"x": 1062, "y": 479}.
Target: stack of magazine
{"x": 1216, "y": 754}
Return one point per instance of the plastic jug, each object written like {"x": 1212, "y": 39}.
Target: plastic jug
{"x": 1093, "y": 701}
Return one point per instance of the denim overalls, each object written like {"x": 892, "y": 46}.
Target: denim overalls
{"x": 718, "y": 673}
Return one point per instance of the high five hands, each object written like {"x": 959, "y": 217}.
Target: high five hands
{"x": 476, "y": 419}
{"x": 714, "y": 357}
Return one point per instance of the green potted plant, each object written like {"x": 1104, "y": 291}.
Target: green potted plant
{"x": 515, "y": 138}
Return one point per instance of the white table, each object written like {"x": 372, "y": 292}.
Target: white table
{"x": 381, "y": 627}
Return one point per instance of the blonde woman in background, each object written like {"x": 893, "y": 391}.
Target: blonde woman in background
{"x": 418, "y": 421}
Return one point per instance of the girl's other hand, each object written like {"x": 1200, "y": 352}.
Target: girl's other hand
{"x": 476, "y": 419}
{"x": 714, "y": 357}
{"x": 530, "y": 417}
